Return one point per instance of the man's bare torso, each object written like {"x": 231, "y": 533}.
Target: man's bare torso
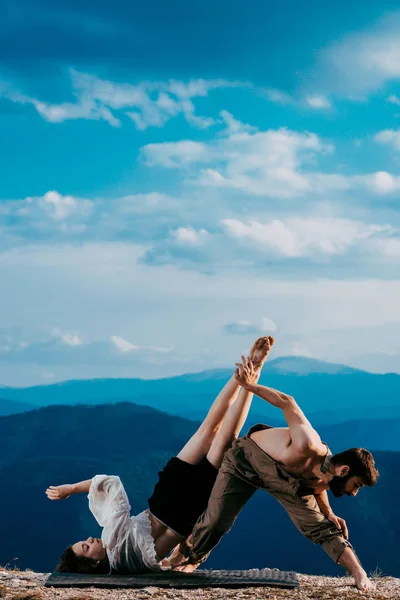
{"x": 277, "y": 443}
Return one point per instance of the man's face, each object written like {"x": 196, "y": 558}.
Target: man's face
{"x": 348, "y": 485}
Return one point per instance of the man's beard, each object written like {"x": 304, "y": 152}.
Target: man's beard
{"x": 337, "y": 485}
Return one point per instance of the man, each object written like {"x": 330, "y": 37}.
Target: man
{"x": 293, "y": 465}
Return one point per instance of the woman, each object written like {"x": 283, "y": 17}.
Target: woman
{"x": 141, "y": 543}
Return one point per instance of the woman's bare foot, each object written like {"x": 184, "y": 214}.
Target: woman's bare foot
{"x": 260, "y": 351}
{"x": 177, "y": 557}
{"x": 187, "y": 568}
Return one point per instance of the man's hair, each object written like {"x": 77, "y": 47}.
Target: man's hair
{"x": 361, "y": 463}
{"x": 71, "y": 563}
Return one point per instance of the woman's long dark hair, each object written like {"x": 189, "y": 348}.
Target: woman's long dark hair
{"x": 71, "y": 563}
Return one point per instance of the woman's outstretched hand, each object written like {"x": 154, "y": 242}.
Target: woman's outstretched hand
{"x": 59, "y": 492}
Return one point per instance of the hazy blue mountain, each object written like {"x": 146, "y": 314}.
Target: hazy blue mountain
{"x": 10, "y": 407}
{"x": 302, "y": 365}
{"x": 59, "y": 444}
{"x": 383, "y": 434}
{"x": 327, "y": 393}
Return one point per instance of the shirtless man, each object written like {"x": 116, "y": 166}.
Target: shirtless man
{"x": 294, "y": 466}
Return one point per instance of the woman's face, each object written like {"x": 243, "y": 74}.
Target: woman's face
{"x": 91, "y": 548}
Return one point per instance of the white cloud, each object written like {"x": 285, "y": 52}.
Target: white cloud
{"x": 363, "y": 61}
{"x": 393, "y": 99}
{"x": 61, "y": 208}
{"x": 241, "y": 328}
{"x": 233, "y": 126}
{"x": 262, "y": 163}
{"x": 304, "y": 237}
{"x": 70, "y": 349}
{"x": 278, "y": 96}
{"x": 274, "y": 163}
{"x": 267, "y": 325}
{"x": 319, "y": 102}
{"x": 245, "y": 327}
{"x": 122, "y": 345}
{"x": 389, "y": 248}
{"x": 299, "y": 350}
{"x": 85, "y": 108}
{"x": 71, "y": 339}
{"x": 188, "y": 235}
{"x": 390, "y": 137}
{"x": 175, "y": 154}
{"x": 383, "y": 182}
{"x": 113, "y": 294}
{"x": 54, "y": 216}
{"x": 45, "y": 217}
{"x": 146, "y": 104}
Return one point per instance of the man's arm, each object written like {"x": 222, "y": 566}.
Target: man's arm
{"x": 326, "y": 509}
{"x": 59, "y": 492}
{"x": 304, "y": 437}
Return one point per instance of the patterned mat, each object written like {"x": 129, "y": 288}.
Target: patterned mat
{"x": 171, "y": 579}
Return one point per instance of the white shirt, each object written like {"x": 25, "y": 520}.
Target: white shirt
{"x": 128, "y": 540}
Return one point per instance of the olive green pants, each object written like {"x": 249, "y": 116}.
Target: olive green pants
{"x": 246, "y": 468}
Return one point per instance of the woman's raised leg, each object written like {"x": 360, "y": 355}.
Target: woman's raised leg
{"x": 200, "y": 443}
{"x": 238, "y": 411}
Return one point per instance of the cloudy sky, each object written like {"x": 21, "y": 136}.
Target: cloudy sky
{"x": 178, "y": 178}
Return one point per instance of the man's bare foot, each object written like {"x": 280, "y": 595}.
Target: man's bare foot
{"x": 260, "y": 351}
{"x": 362, "y": 582}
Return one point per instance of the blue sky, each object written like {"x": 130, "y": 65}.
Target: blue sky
{"x": 178, "y": 178}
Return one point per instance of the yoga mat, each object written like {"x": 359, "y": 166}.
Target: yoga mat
{"x": 174, "y": 579}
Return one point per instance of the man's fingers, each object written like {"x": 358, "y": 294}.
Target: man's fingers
{"x": 341, "y": 524}
{"x": 344, "y": 528}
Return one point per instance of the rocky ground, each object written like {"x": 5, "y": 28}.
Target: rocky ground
{"x": 28, "y": 585}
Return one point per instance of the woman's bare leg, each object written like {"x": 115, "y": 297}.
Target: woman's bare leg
{"x": 193, "y": 452}
{"x": 230, "y": 429}
{"x": 238, "y": 411}
{"x": 200, "y": 443}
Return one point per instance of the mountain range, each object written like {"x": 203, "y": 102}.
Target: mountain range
{"x": 327, "y": 393}
{"x": 59, "y": 444}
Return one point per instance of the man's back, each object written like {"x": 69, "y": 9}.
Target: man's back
{"x": 277, "y": 443}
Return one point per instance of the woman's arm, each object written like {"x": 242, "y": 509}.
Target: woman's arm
{"x": 59, "y": 492}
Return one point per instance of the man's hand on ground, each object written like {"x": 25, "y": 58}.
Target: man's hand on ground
{"x": 339, "y": 524}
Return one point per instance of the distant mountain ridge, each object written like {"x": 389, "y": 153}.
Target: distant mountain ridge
{"x": 59, "y": 444}
{"x": 326, "y": 392}
{"x": 10, "y": 407}
{"x": 303, "y": 365}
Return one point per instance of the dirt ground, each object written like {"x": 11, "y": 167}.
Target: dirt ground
{"x": 28, "y": 585}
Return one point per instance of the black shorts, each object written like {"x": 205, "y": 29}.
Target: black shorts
{"x": 181, "y": 494}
